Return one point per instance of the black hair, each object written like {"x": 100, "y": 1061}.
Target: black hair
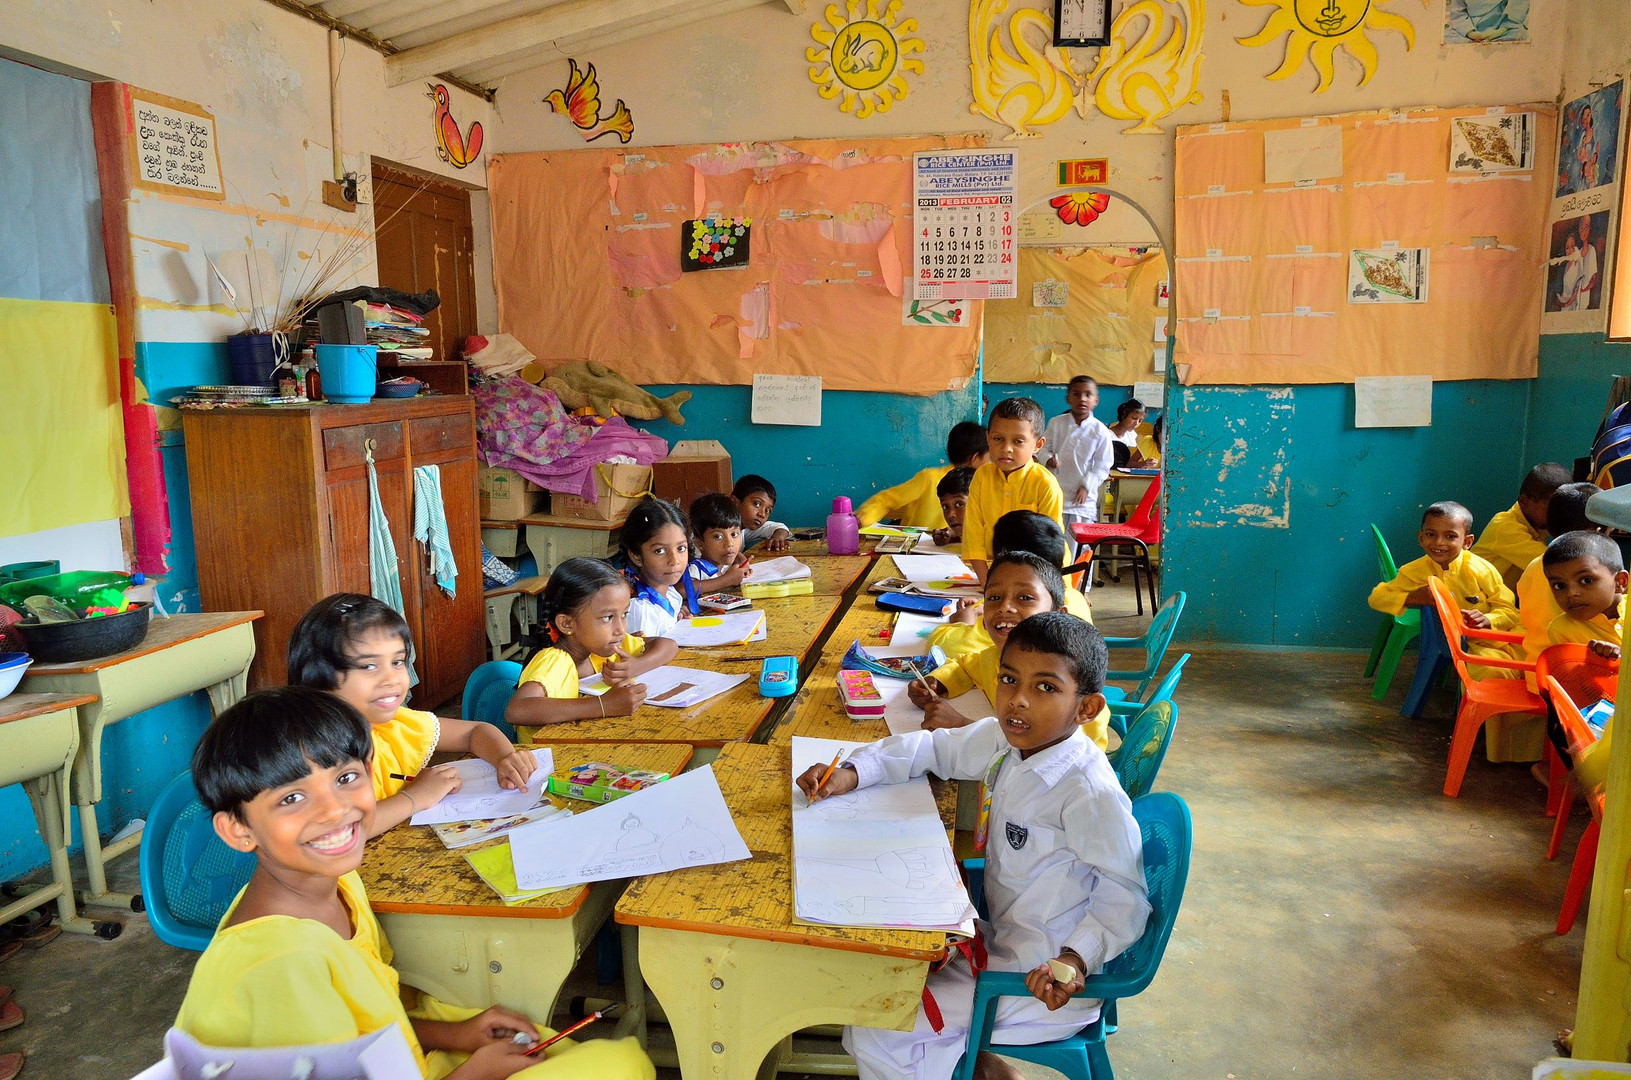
{"x": 955, "y": 482}
{"x": 749, "y": 484}
{"x": 1584, "y": 544}
{"x": 1566, "y": 509}
{"x": 275, "y": 737}
{"x": 715, "y": 511}
{"x": 1083, "y": 379}
{"x": 967, "y": 440}
{"x": 1026, "y": 530}
{"x": 1023, "y": 408}
{"x": 648, "y": 516}
{"x": 573, "y": 583}
{"x": 320, "y": 646}
{"x": 1128, "y": 408}
{"x": 1052, "y": 580}
{"x": 1447, "y": 509}
{"x": 1542, "y": 480}
{"x": 1059, "y": 633}
{"x": 1157, "y": 428}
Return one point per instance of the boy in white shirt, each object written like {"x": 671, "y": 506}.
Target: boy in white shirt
{"x": 1064, "y": 874}
{"x": 1079, "y": 451}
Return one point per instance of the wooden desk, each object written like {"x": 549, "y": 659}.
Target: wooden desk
{"x": 816, "y": 710}
{"x": 210, "y": 652}
{"x": 795, "y": 624}
{"x": 455, "y": 938}
{"x": 39, "y": 734}
{"x": 734, "y": 974}
{"x": 553, "y": 539}
{"x": 832, "y": 575}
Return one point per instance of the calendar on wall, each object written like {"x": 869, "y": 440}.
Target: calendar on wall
{"x": 965, "y": 225}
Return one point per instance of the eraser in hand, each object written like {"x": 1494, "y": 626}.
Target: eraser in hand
{"x": 1063, "y": 973}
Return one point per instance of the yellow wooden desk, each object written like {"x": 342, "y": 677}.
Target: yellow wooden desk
{"x": 553, "y": 539}
{"x": 210, "y": 651}
{"x": 816, "y": 710}
{"x": 832, "y": 575}
{"x": 456, "y": 940}
{"x": 734, "y": 975}
{"x": 795, "y": 625}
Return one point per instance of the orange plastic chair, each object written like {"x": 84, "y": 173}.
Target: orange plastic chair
{"x": 1480, "y": 698}
{"x": 1585, "y": 854}
{"x": 1585, "y": 677}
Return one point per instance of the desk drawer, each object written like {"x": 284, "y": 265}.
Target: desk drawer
{"x": 428, "y": 434}
{"x": 343, "y": 448}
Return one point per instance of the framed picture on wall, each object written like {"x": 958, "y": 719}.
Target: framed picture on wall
{"x": 1081, "y": 22}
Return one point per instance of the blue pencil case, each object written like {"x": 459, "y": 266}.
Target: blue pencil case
{"x": 917, "y": 603}
{"x": 893, "y": 667}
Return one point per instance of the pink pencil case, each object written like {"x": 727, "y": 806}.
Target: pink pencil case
{"x": 860, "y": 695}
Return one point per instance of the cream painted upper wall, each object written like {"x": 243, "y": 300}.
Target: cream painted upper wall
{"x": 743, "y": 77}
{"x": 1599, "y": 45}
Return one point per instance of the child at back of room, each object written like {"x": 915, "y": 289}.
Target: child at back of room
{"x": 717, "y": 561}
{"x": 1517, "y": 535}
{"x": 1147, "y": 454}
{"x": 757, "y": 498}
{"x": 1587, "y": 575}
{"x": 357, "y": 648}
{"x": 1080, "y": 448}
{"x": 1129, "y": 416}
{"x": 585, "y": 612}
{"x": 1012, "y": 481}
{"x": 1537, "y": 606}
{"x": 917, "y": 501}
{"x": 1064, "y": 871}
{"x": 1021, "y": 530}
{"x": 655, "y": 553}
{"x": 952, "y": 491}
{"x": 299, "y": 959}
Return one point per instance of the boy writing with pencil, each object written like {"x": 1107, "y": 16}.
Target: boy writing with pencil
{"x": 1012, "y": 481}
{"x": 1064, "y": 875}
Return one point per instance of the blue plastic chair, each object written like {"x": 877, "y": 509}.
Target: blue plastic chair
{"x": 1432, "y": 663}
{"x": 1396, "y": 631}
{"x": 1154, "y": 643}
{"x": 1144, "y": 747}
{"x": 1168, "y": 834}
{"x": 189, "y": 876}
{"x": 1122, "y": 711}
{"x": 487, "y": 694}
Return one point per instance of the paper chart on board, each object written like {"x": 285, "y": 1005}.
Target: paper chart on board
{"x": 711, "y": 631}
{"x": 934, "y": 569}
{"x": 676, "y": 824}
{"x": 785, "y": 568}
{"x": 673, "y": 686}
{"x": 877, "y": 857}
{"x": 479, "y": 795}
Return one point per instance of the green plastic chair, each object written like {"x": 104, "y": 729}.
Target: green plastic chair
{"x": 1396, "y": 631}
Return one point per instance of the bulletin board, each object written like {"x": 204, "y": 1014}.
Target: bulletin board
{"x": 587, "y": 264}
{"x": 1264, "y": 287}
{"x": 1105, "y": 329}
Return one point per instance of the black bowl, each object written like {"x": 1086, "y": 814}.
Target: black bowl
{"x": 86, "y": 639}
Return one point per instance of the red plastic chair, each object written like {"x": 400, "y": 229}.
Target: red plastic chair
{"x": 1139, "y": 531}
{"x": 1586, "y": 678}
{"x": 1480, "y": 698}
{"x": 1585, "y": 854}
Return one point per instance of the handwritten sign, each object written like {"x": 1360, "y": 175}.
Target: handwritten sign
{"x": 787, "y": 399}
{"x": 1152, "y": 395}
{"x": 175, "y": 147}
{"x": 1393, "y": 401}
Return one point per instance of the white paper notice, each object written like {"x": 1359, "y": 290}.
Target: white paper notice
{"x": 673, "y": 687}
{"x": 1393, "y": 401}
{"x": 874, "y": 857}
{"x": 672, "y": 825}
{"x": 1302, "y": 153}
{"x": 930, "y": 569}
{"x": 1153, "y": 395}
{"x": 479, "y": 795}
{"x": 785, "y": 568}
{"x": 787, "y": 399}
{"x": 710, "y": 631}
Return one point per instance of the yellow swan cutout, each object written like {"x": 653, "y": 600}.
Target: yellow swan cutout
{"x": 1031, "y": 86}
{"x": 1160, "y": 72}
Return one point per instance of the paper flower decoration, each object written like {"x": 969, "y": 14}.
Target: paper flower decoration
{"x": 1080, "y": 208}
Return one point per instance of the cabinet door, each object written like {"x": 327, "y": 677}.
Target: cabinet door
{"x": 348, "y": 512}
{"x": 453, "y": 643}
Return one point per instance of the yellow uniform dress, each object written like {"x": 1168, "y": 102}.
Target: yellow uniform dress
{"x": 285, "y": 981}
{"x": 1537, "y": 607}
{"x": 1510, "y": 543}
{"x": 1147, "y": 448}
{"x": 402, "y": 745}
{"x": 556, "y": 671}
{"x": 1566, "y": 630}
{"x": 979, "y": 669}
{"x": 914, "y": 502}
{"x": 959, "y": 639}
{"x": 991, "y": 495}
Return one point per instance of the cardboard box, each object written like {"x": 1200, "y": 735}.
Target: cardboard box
{"x": 694, "y": 467}
{"x": 507, "y": 495}
{"x": 617, "y": 489}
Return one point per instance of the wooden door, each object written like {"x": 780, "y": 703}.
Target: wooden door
{"x": 424, "y": 241}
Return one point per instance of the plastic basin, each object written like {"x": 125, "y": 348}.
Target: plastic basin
{"x": 12, "y": 666}
{"x": 349, "y": 372}
{"x": 86, "y": 639}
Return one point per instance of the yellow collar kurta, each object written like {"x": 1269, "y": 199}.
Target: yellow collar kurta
{"x": 958, "y": 639}
{"x": 979, "y": 669}
{"x": 402, "y": 745}
{"x": 1473, "y": 582}
{"x": 1510, "y": 544}
{"x": 1566, "y": 629}
{"x": 556, "y": 671}
{"x": 915, "y": 502}
{"x": 992, "y": 494}
{"x": 1537, "y": 607}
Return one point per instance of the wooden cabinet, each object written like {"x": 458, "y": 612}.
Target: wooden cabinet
{"x": 280, "y": 520}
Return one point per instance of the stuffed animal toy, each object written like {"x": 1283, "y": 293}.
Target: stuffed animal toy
{"x": 584, "y": 383}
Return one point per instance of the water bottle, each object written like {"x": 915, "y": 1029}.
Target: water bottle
{"x": 843, "y": 529}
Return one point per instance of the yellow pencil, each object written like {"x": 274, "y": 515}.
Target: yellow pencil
{"x": 830, "y": 769}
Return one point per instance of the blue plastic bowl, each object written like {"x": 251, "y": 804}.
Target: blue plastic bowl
{"x": 12, "y": 667}
{"x": 349, "y": 372}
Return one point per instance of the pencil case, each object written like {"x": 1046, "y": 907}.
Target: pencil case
{"x": 892, "y": 667}
{"x": 860, "y": 695}
{"x": 920, "y": 605}
{"x": 801, "y": 587}
{"x": 720, "y": 601}
{"x": 595, "y": 781}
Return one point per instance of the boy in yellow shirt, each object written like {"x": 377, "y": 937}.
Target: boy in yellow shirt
{"x": 1517, "y": 535}
{"x": 299, "y": 959}
{"x": 1014, "y": 479}
{"x": 1587, "y": 575}
{"x": 1021, "y": 530}
{"x": 1537, "y": 606}
{"x": 917, "y": 501}
{"x": 952, "y": 490}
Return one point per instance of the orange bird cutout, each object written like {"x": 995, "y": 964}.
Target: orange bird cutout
{"x": 453, "y": 148}
{"x": 580, "y": 103}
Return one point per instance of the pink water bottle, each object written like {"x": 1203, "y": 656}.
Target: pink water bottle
{"x": 843, "y": 529}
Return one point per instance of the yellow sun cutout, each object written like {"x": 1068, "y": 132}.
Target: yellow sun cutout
{"x": 860, "y": 56}
{"x": 1317, "y": 28}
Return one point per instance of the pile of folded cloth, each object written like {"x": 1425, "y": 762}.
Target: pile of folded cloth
{"x": 526, "y": 428}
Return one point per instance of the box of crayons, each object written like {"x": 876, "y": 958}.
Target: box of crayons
{"x": 595, "y": 781}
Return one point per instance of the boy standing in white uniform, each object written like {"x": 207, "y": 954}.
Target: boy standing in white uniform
{"x": 1064, "y": 874}
{"x": 1078, "y": 445}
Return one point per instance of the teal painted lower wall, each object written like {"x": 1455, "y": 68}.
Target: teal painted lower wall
{"x": 1576, "y": 372}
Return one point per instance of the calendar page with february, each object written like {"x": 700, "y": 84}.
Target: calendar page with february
{"x": 964, "y": 238}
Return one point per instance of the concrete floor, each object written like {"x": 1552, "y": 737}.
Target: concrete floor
{"x": 1343, "y": 918}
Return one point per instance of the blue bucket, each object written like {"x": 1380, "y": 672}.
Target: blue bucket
{"x": 348, "y": 372}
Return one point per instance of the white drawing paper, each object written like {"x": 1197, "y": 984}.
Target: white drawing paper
{"x": 930, "y": 569}
{"x": 1389, "y": 275}
{"x": 901, "y": 716}
{"x": 914, "y": 630}
{"x": 1302, "y": 153}
{"x": 729, "y": 628}
{"x": 874, "y": 857}
{"x": 770, "y": 571}
{"x": 1393, "y": 401}
{"x": 679, "y": 823}
{"x": 479, "y": 795}
{"x": 674, "y": 687}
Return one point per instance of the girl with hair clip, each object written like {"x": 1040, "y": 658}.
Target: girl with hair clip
{"x": 655, "y": 553}
{"x": 585, "y": 608}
